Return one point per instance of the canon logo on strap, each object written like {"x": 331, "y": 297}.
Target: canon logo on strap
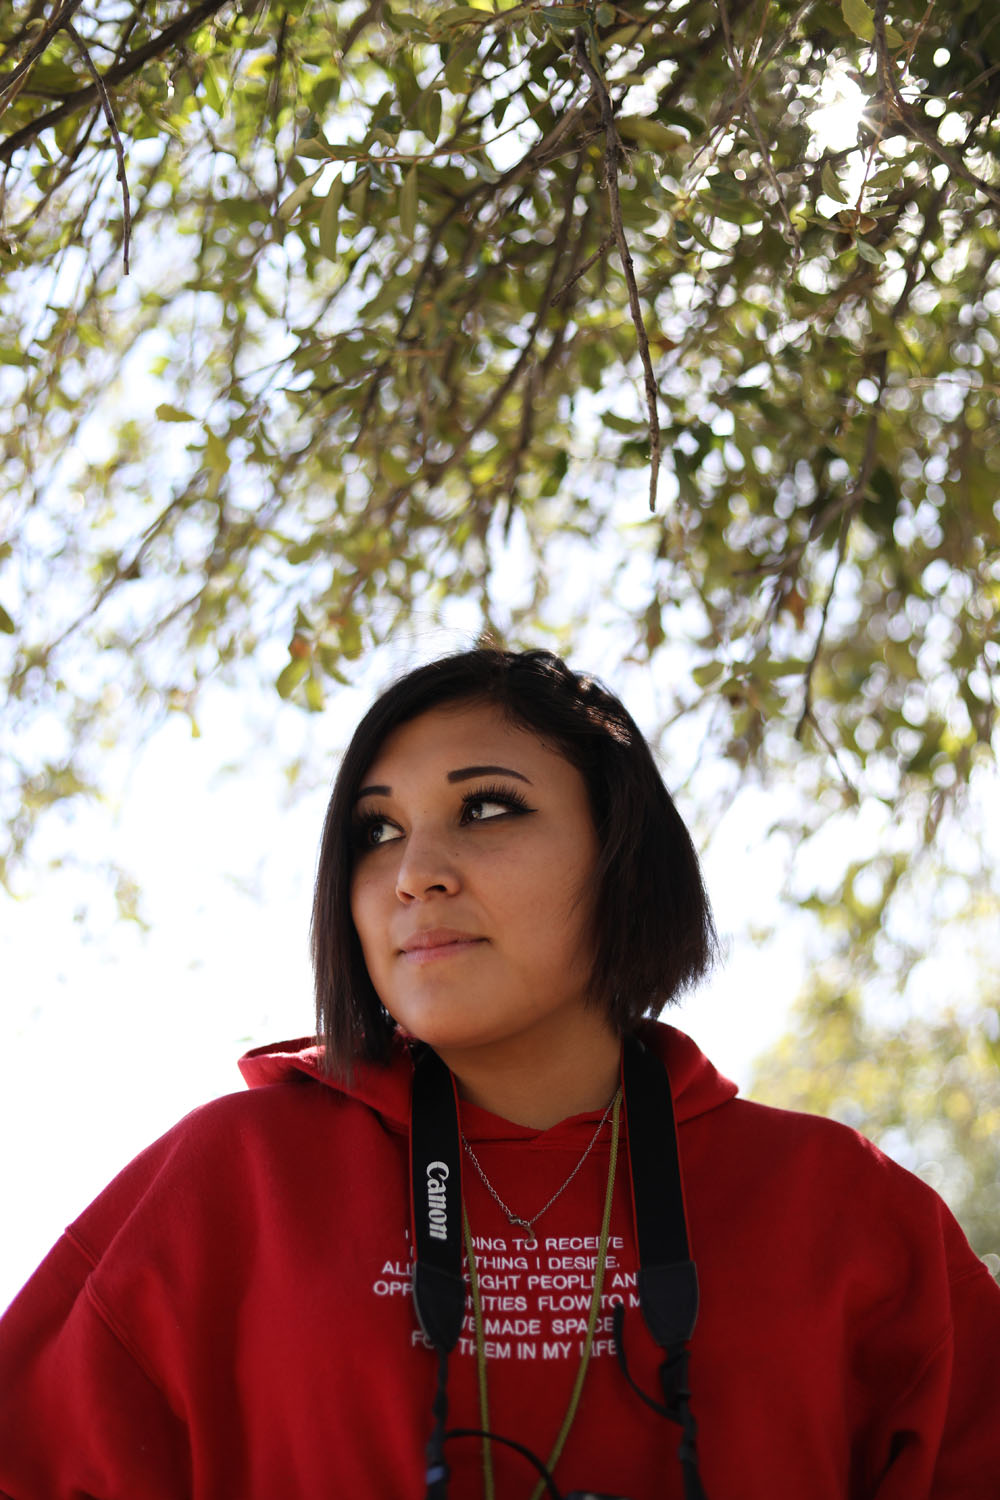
{"x": 437, "y": 1212}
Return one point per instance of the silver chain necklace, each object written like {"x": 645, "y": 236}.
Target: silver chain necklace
{"x": 528, "y": 1224}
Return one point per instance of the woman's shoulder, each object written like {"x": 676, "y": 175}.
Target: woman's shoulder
{"x": 823, "y": 1189}
{"x": 782, "y": 1175}
{"x": 230, "y": 1155}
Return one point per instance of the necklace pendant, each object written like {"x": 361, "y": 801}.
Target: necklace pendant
{"x": 525, "y": 1224}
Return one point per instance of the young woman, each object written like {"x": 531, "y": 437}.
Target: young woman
{"x": 444, "y": 1249}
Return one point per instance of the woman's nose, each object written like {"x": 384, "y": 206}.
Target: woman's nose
{"x": 426, "y": 869}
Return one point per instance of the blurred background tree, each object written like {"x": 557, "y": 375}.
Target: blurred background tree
{"x": 928, "y": 1091}
{"x": 417, "y": 295}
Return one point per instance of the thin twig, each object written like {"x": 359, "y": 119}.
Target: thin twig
{"x": 38, "y": 46}
{"x": 729, "y": 108}
{"x": 807, "y": 698}
{"x": 536, "y": 380}
{"x": 131, "y": 63}
{"x": 71, "y": 156}
{"x": 611, "y": 150}
{"x": 36, "y": 9}
{"x": 430, "y": 473}
{"x": 567, "y": 286}
{"x": 831, "y": 750}
{"x": 109, "y": 115}
{"x": 372, "y": 12}
{"x": 122, "y": 572}
{"x": 907, "y": 116}
{"x": 844, "y": 506}
{"x": 973, "y": 84}
{"x": 918, "y": 33}
{"x": 765, "y": 151}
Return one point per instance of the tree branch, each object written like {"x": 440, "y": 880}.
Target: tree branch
{"x": 568, "y": 286}
{"x": 130, "y": 64}
{"x": 36, "y": 9}
{"x": 807, "y": 715}
{"x": 845, "y": 505}
{"x": 907, "y": 116}
{"x": 109, "y": 115}
{"x": 371, "y": 12}
{"x": 792, "y": 234}
{"x": 38, "y": 46}
{"x": 611, "y": 150}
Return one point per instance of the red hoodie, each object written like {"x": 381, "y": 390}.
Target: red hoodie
{"x": 232, "y": 1320}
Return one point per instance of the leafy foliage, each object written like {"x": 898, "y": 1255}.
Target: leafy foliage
{"x": 377, "y": 333}
{"x": 927, "y": 1090}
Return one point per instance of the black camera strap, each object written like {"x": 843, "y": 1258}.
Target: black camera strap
{"x": 436, "y": 1212}
{"x": 667, "y": 1281}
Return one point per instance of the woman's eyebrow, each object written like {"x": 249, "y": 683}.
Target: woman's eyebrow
{"x": 373, "y": 791}
{"x": 468, "y": 772}
{"x": 465, "y": 773}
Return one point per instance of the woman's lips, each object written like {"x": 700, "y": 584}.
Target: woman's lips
{"x": 443, "y": 942}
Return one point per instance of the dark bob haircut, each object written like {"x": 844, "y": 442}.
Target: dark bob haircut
{"x": 653, "y": 930}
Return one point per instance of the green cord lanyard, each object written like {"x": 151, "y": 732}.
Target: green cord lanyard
{"x": 667, "y": 1278}
{"x": 595, "y": 1305}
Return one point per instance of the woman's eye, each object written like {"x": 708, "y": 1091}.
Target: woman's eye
{"x": 487, "y": 803}
{"x": 378, "y": 831}
{"x": 483, "y": 808}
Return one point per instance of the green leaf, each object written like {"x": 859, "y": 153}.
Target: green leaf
{"x": 216, "y": 452}
{"x": 395, "y": 470}
{"x": 869, "y": 252}
{"x": 212, "y": 86}
{"x": 328, "y": 218}
{"x": 708, "y": 673}
{"x": 671, "y": 114}
{"x": 315, "y": 700}
{"x": 6, "y": 623}
{"x": 859, "y": 18}
{"x": 686, "y": 230}
{"x": 458, "y": 72}
{"x": 831, "y": 186}
{"x": 299, "y": 194}
{"x": 408, "y": 204}
{"x": 622, "y": 424}
{"x": 462, "y": 15}
{"x": 745, "y": 212}
{"x": 429, "y": 114}
{"x": 886, "y": 177}
{"x": 563, "y": 17}
{"x": 316, "y": 150}
{"x": 168, "y": 413}
{"x": 648, "y": 132}
{"x": 402, "y": 20}
{"x": 487, "y": 171}
{"x": 290, "y": 676}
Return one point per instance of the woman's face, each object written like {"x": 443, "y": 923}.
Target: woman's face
{"x": 472, "y": 887}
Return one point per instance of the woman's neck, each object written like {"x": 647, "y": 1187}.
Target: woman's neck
{"x": 537, "y": 1086}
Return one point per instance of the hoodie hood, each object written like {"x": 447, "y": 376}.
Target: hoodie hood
{"x": 696, "y": 1084}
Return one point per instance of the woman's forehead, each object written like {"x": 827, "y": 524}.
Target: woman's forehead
{"x": 457, "y": 737}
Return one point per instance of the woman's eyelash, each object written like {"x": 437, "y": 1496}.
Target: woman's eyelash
{"x": 363, "y": 825}
{"x": 505, "y": 795}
